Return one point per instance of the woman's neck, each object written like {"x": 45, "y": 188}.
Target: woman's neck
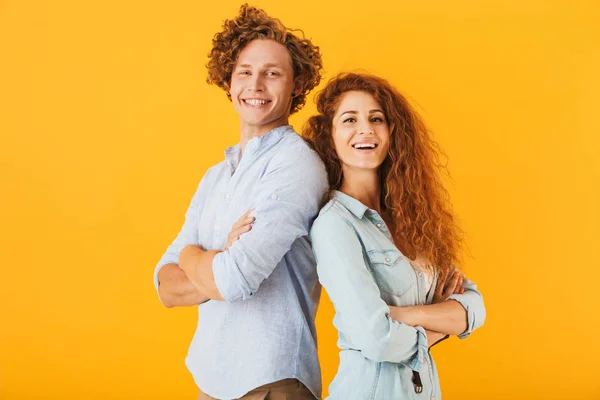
{"x": 363, "y": 185}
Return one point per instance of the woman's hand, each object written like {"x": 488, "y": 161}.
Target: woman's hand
{"x": 449, "y": 282}
{"x": 243, "y": 225}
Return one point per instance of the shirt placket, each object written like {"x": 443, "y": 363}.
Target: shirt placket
{"x": 228, "y": 197}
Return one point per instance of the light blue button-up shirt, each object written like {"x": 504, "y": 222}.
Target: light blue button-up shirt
{"x": 363, "y": 272}
{"x": 265, "y": 330}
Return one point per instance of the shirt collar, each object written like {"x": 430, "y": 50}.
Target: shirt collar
{"x": 233, "y": 153}
{"x": 354, "y": 206}
{"x": 232, "y": 156}
{"x": 273, "y": 136}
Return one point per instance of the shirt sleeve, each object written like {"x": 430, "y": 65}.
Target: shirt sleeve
{"x": 187, "y": 235}
{"x": 361, "y": 313}
{"x": 288, "y": 198}
{"x": 472, "y": 301}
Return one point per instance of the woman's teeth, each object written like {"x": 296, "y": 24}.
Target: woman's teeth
{"x": 364, "y": 145}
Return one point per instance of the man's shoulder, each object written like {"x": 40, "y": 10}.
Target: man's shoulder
{"x": 293, "y": 149}
{"x": 213, "y": 173}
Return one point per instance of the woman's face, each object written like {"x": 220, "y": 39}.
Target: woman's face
{"x": 360, "y": 132}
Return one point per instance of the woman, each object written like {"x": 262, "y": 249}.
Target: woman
{"x": 386, "y": 243}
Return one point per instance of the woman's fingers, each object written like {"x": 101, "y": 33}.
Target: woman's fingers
{"x": 451, "y": 287}
{"x": 459, "y": 288}
{"x": 441, "y": 282}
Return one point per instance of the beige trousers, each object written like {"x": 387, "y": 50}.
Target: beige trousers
{"x": 286, "y": 389}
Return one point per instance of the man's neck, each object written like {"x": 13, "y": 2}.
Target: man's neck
{"x": 248, "y": 132}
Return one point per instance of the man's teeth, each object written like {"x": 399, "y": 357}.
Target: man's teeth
{"x": 364, "y": 146}
{"x": 253, "y": 102}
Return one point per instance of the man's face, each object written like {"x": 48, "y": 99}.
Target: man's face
{"x": 262, "y": 84}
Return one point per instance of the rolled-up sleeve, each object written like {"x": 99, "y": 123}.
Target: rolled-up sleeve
{"x": 361, "y": 313}
{"x": 288, "y": 199}
{"x": 187, "y": 235}
{"x": 472, "y": 301}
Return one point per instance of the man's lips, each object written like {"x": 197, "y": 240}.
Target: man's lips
{"x": 256, "y": 102}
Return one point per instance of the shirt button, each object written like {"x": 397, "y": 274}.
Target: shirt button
{"x": 274, "y": 196}
{"x": 217, "y": 229}
{"x": 227, "y": 196}
{"x": 420, "y": 274}
{"x": 378, "y": 225}
{"x": 387, "y": 259}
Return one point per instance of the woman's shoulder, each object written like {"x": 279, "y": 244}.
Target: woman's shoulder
{"x": 332, "y": 217}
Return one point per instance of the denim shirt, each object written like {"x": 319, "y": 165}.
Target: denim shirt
{"x": 363, "y": 273}
{"x": 264, "y": 331}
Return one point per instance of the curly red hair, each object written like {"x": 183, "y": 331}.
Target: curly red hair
{"x": 253, "y": 23}
{"x": 412, "y": 191}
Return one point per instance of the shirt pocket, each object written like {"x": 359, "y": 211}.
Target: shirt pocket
{"x": 391, "y": 271}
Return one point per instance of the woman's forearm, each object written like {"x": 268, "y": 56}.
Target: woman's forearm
{"x": 448, "y": 317}
{"x": 434, "y": 337}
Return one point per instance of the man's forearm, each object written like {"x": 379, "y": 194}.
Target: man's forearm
{"x": 448, "y": 317}
{"x": 176, "y": 290}
{"x": 197, "y": 265}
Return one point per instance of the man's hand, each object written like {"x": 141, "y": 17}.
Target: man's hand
{"x": 243, "y": 225}
{"x": 449, "y": 283}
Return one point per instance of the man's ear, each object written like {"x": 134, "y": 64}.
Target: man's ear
{"x": 298, "y": 87}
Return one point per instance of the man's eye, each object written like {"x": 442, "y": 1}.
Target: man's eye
{"x": 272, "y": 73}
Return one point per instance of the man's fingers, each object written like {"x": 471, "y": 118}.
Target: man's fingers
{"x": 236, "y": 233}
{"x": 241, "y": 222}
{"x": 242, "y": 229}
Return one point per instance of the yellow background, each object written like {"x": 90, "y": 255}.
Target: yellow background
{"x": 107, "y": 127}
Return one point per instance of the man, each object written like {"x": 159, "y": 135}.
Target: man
{"x": 256, "y": 285}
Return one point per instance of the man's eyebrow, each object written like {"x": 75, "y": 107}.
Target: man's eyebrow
{"x": 268, "y": 65}
{"x": 272, "y": 65}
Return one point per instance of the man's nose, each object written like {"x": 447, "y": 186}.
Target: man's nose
{"x": 256, "y": 83}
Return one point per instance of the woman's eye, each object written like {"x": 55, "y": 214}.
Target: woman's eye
{"x": 244, "y": 72}
{"x": 377, "y": 119}
{"x": 349, "y": 120}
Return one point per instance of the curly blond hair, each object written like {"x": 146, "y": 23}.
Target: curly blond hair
{"x": 253, "y": 23}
